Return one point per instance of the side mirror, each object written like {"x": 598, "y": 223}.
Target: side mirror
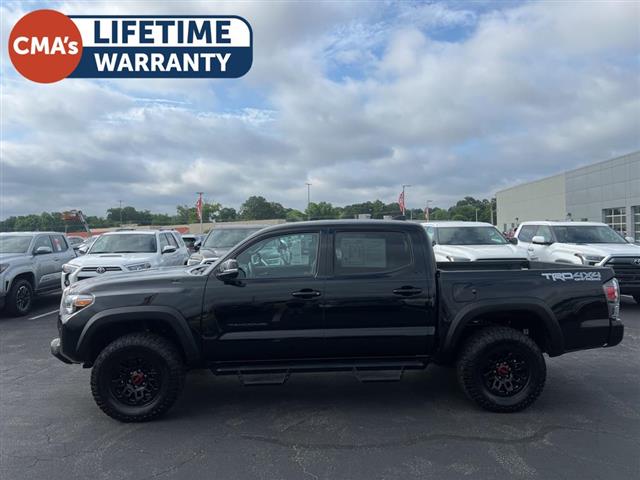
{"x": 513, "y": 240}
{"x": 433, "y": 243}
{"x": 43, "y": 250}
{"x": 196, "y": 246}
{"x": 540, "y": 240}
{"x": 228, "y": 270}
{"x": 168, "y": 249}
{"x": 630, "y": 239}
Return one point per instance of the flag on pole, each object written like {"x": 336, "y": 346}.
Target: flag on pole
{"x": 199, "y": 208}
{"x": 401, "y": 202}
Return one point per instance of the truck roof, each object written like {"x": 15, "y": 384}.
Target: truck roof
{"x": 246, "y": 226}
{"x": 128, "y": 232}
{"x": 455, "y": 223}
{"x": 565, "y": 224}
{"x": 31, "y": 233}
{"x": 395, "y": 224}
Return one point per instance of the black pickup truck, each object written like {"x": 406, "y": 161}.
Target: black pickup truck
{"x": 362, "y": 296}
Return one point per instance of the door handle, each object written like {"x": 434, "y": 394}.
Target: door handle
{"x": 306, "y": 293}
{"x": 407, "y": 291}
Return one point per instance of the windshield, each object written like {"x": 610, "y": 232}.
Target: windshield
{"x": 587, "y": 234}
{"x": 227, "y": 237}
{"x": 470, "y": 236}
{"x": 14, "y": 243}
{"x": 125, "y": 243}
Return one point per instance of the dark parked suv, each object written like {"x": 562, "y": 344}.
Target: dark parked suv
{"x": 363, "y": 296}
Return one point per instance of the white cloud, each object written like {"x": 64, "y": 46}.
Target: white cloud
{"x": 356, "y": 98}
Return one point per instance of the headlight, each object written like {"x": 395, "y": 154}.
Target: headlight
{"x": 451, "y": 258}
{"x": 3, "y": 267}
{"x": 589, "y": 259}
{"x": 68, "y": 268}
{"x": 134, "y": 267}
{"x": 74, "y": 302}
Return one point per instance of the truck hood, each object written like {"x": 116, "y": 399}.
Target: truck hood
{"x": 604, "y": 249}
{"x": 208, "y": 253}
{"x": 7, "y": 257}
{"x": 137, "y": 280}
{"x": 213, "y": 252}
{"x": 112, "y": 259}
{"x": 478, "y": 252}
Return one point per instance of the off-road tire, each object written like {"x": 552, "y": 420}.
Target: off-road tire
{"x": 474, "y": 360}
{"x": 147, "y": 346}
{"x": 14, "y": 306}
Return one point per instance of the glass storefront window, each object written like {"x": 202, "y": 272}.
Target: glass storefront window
{"x": 616, "y": 218}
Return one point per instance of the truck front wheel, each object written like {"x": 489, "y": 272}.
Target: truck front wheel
{"x": 501, "y": 369}
{"x": 20, "y": 297}
{"x": 137, "y": 377}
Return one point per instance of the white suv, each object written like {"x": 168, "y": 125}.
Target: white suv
{"x": 584, "y": 243}
{"x": 127, "y": 251}
{"x": 470, "y": 241}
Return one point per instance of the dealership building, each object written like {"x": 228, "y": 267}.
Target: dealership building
{"x": 607, "y": 191}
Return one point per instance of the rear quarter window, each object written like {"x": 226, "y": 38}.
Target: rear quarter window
{"x": 371, "y": 252}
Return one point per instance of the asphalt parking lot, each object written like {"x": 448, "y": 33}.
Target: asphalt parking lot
{"x": 585, "y": 425}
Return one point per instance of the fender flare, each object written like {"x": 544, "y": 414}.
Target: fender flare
{"x": 21, "y": 271}
{"x": 166, "y": 316}
{"x": 535, "y": 306}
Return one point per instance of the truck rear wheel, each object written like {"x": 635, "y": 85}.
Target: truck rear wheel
{"x": 501, "y": 369}
{"x": 137, "y": 377}
{"x": 20, "y": 297}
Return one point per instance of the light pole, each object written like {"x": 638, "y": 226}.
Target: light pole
{"x": 308, "y": 199}
{"x": 404, "y": 200}
{"x": 427, "y": 211}
{"x": 120, "y": 202}
{"x": 476, "y": 214}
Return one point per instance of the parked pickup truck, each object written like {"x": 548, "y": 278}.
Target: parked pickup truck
{"x": 584, "y": 243}
{"x": 361, "y": 296}
{"x": 30, "y": 264}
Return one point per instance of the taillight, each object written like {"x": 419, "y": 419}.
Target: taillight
{"x": 612, "y": 293}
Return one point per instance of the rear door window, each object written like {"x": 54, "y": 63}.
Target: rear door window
{"x": 370, "y": 252}
{"x": 59, "y": 243}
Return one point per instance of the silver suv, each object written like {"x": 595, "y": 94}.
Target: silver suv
{"x": 30, "y": 263}
{"x": 127, "y": 251}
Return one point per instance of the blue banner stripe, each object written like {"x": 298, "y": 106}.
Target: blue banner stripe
{"x": 164, "y": 62}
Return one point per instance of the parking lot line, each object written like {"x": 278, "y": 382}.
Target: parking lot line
{"x": 44, "y": 314}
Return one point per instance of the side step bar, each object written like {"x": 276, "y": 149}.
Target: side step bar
{"x": 277, "y": 374}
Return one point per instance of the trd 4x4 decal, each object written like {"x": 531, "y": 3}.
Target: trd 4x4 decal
{"x": 573, "y": 276}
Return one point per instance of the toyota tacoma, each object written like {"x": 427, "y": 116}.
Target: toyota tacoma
{"x": 360, "y": 296}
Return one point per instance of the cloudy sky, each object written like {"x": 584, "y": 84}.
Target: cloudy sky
{"x": 455, "y": 98}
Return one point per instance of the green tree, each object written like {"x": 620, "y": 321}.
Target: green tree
{"x": 227, "y": 214}
{"x": 258, "y": 208}
{"x": 322, "y": 210}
